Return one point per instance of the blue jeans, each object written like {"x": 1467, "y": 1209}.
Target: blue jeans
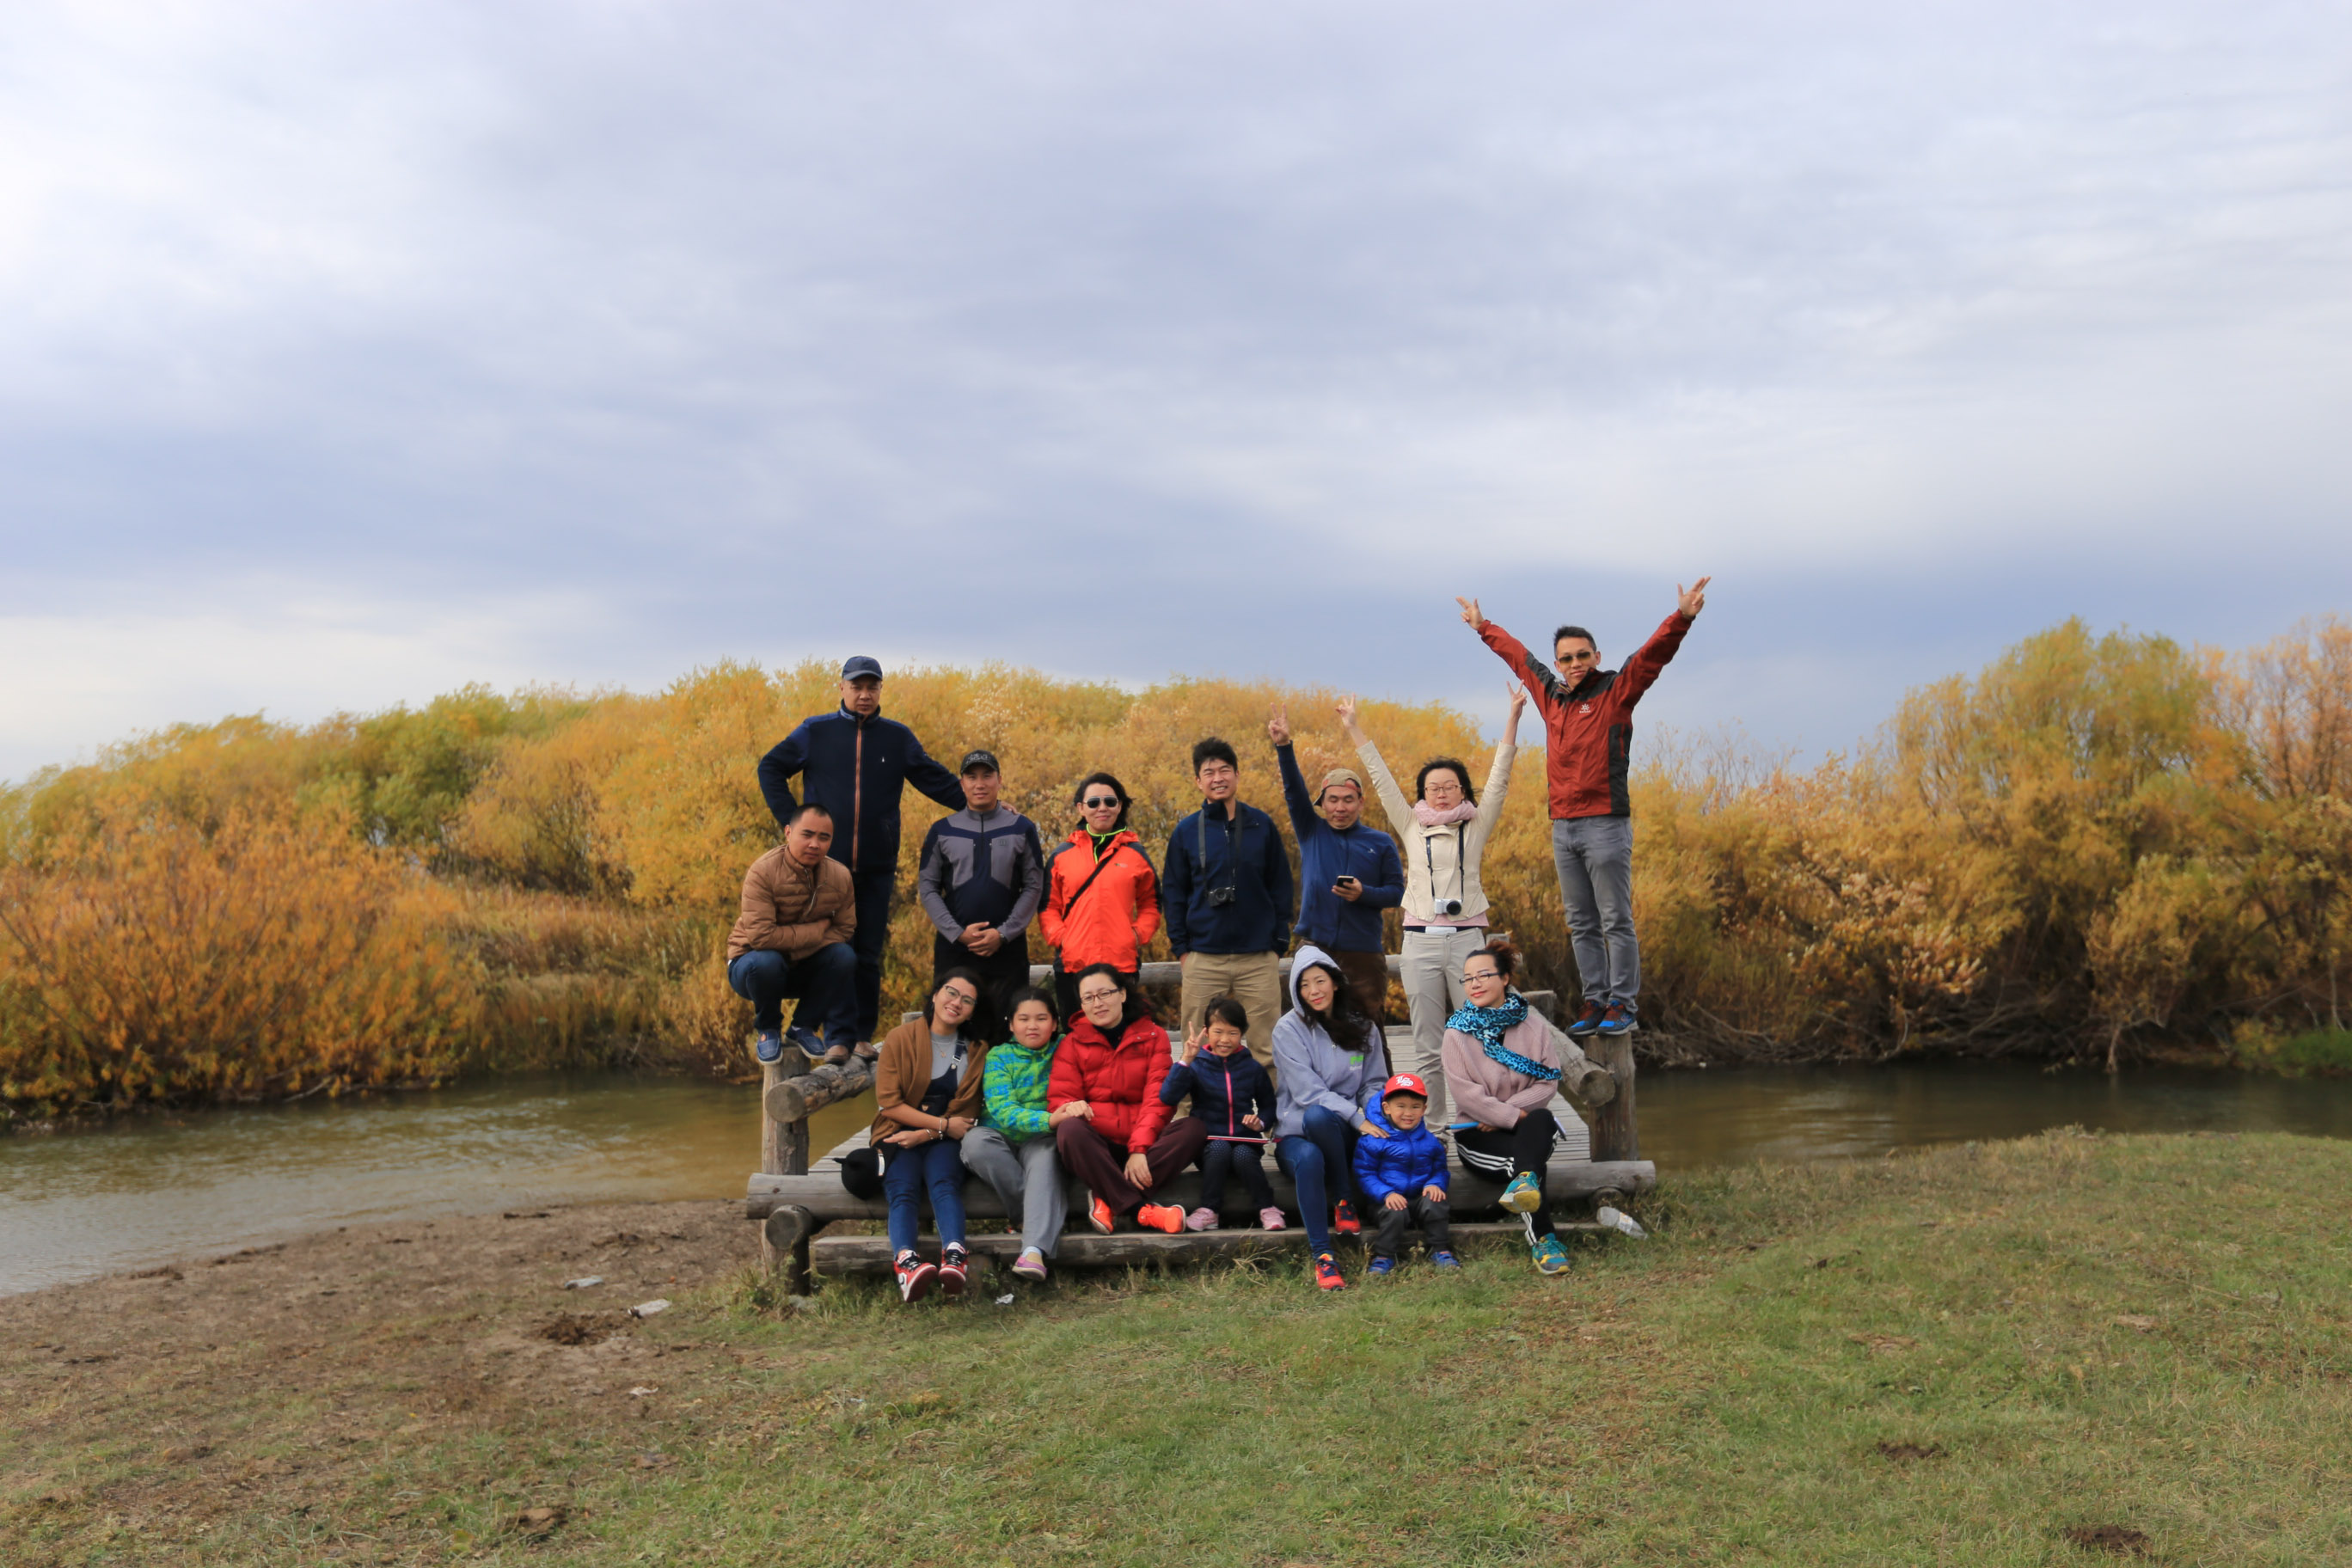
{"x": 906, "y": 1173}
{"x": 1321, "y": 1166}
{"x": 1593, "y": 858}
{"x": 824, "y": 982}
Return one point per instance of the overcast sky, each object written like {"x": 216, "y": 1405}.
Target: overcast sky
{"x": 350, "y": 352}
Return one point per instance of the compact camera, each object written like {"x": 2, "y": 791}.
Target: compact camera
{"x": 1448, "y": 906}
{"x": 1220, "y": 897}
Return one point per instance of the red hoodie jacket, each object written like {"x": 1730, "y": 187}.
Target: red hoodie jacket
{"x": 1588, "y": 730}
{"x": 1120, "y": 1081}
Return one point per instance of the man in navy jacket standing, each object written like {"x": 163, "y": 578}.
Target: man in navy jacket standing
{"x": 1225, "y": 890}
{"x": 856, "y": 764}
{"x": 1348, "y": 872}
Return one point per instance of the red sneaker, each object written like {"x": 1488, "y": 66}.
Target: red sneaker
{"x": 1326, "y": 1273}
{"x": 915, "y": 1277}
{"x": 1161, "y": 1216}
{"x": 955, "y": 1270}
{"x": 1344, "y": 1220}
{"x": 1098, "y": 1214}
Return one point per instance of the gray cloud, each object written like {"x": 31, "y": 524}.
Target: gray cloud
{"x": 341, "y": 349}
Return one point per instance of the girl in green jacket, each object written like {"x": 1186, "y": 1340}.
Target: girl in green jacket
{"x": 1012, "y": 1148}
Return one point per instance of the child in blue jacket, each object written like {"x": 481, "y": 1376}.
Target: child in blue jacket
{"x": 1235, "y": 1096}
{"x": 1403, "y": 1173}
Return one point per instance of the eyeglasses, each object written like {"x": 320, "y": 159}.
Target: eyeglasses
{"x": 1090, "y": 999}
{"x": 965, "y": 998}
{"x": 1482, "y": 974}
{"x": 1100, "y": 802}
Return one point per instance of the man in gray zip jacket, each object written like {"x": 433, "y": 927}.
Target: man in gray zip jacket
{"x": 981, "y": 879}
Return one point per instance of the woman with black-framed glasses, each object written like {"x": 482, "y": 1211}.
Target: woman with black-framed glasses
{"x": 926, "y": 1096}
{"x": 1504, "y": 1063}
{"x": 1102, "y": 895}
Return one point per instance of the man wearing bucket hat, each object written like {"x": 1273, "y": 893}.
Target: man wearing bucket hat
{"x": 856, "y": 764}
{"x": 1348, "y": 872}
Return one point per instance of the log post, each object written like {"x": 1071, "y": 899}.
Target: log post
{"x": 790, "y": 1087}
{"x": 775, "y": 1139}
{"x": 1614, "y": 1136}
{"x": 787, "y": 1232}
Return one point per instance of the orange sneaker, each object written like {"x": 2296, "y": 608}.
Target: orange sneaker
{"x": 1161, "y": 1216}
{"x": 1098, "y": 1214}
{"x": 1326, "y": 1273}
{"x": 1344, "y": 1220}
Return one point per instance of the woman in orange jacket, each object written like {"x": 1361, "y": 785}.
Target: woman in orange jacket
{"x": 1102, "y": 897}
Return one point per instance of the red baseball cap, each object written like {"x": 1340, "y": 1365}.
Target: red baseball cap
{"x": 1405, "y": 1083}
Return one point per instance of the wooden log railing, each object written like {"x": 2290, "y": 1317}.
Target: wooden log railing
{"x": 790, "y": 1087}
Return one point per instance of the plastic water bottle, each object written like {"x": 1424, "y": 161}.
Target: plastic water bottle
{"x": 1618, "y": 1221}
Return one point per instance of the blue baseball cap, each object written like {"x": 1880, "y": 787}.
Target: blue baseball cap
{"x": 861, "y": 666}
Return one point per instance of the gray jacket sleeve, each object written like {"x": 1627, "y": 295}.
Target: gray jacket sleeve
{"x": 930, "y": 886}
{"x": 1032, "y": 865}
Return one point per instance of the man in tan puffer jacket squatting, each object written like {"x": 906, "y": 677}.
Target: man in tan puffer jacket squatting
{"x": 799, "y": 909}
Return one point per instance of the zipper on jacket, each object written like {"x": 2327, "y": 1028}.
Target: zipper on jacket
{"x": 856, "y": 787}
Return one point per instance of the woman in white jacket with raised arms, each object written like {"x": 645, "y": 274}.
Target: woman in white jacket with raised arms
{"x": 1444, "y": 832}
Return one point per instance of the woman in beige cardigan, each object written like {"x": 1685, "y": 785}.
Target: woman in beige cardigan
{"x": 1443, "y": 833}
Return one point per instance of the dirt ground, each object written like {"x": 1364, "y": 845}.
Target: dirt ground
{"x": 149, "y": 1408}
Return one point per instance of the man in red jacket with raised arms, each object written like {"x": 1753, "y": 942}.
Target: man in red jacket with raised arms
{"x": 1587, "y": 716}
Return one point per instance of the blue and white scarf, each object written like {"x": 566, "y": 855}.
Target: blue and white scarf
{"x": 1487, "y": 1024}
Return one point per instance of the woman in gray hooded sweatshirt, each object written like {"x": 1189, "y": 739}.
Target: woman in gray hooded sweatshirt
{"x": 1328, "y": 1060}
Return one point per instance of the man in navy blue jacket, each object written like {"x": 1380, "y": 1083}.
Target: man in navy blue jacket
{"x": 1225, "y": 892}
{"x": 856, "y": 764}
{"x": 1347, "y": 873}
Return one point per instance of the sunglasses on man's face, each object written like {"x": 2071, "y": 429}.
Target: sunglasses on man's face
{"x": 1580, "y": 656}
{"x": 1099, "y": 803}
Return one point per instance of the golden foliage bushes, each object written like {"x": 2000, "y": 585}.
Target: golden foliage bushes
{"x": 2097, "y": 844}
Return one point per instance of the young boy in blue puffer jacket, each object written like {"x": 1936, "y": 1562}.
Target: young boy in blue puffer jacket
{"x": 1404, "y": 1174}
{"x": 1235, "y": 1096}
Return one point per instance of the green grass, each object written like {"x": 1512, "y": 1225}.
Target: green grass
{"x": 2078, "y": 1331}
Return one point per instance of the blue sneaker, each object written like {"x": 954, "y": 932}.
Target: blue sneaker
{"x": 1615, "y": 1021}
{"x": 1585, "y": 1022}
{"x": 1550, "y": 1257}
{"x": 1443, "y": 1259}
{"x": 1382, "y": 1266}
{"x": 771, "y": 1046}
{"x": 1525, "y": 1194}
{"x": 811, "y": 1047}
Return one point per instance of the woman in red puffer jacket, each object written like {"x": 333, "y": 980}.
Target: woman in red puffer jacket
{"x": 1110, "y": 1066}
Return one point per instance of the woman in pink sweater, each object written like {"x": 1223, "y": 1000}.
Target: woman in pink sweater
{"x": 1504, "y": 1063}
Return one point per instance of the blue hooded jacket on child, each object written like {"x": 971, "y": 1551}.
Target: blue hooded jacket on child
{"x": 1401, "y": 1162}
{"x": 1223, "y": 1091}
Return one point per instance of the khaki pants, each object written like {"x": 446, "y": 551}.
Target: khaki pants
{"x": 1252, "y": 979}
{"x": 1433, "y": 989}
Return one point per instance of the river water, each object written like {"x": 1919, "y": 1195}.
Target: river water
{"x": 150, "y": 1188}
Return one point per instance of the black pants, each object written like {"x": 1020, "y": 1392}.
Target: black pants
{"x": 874, "y": 890}
{"x": 1434, "y": 1217}
{"x": 1001, "y": 974}
{"x": 1247, "y": 1160}
{"x": 1518, "y": 1151}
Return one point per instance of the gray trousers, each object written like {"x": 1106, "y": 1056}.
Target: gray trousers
{"x": 1027, "y": 1176}
{"x": 1594, "y": 859}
